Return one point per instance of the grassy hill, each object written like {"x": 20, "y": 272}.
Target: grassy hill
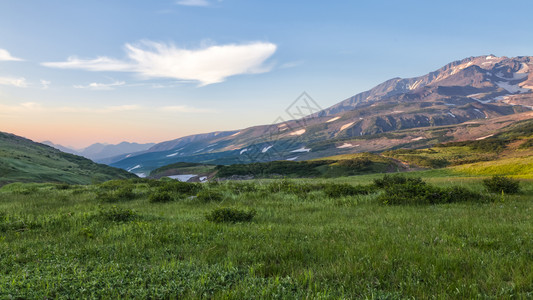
{"x": 509, "y": 152}
{"x": 22, "y": 160}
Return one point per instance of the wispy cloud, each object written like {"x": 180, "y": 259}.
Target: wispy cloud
{"x": 45, "y": 84}
{"x": 100, "y": 86}
{"x": 291, "y": 64}
{"x": 207, "y": 65}
{"x": 6, "y": 56}
{"x": 97, "y": 64}
{"x": 12, "y": 81}
{"x": 193, "y": 2}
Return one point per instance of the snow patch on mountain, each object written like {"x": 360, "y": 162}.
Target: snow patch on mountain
{"x": 173, "y": 154}
{"x": 243, "y": 150}
{"x": 266, "y": 149}
{"x": 346, "y": 145}
{"x": 346, "y": 126}
{"x": 333, "y": 119}
{"x": 511, "y": 88}
{"x": 235, "y": 134}
{"x": 303, "y": 149}
{"x": 292, "y": 158}
{"x": 484, "y": 137}
{"x": 133, "y": 168}
{"x": 418, "y": 138}
{"x": 298, "y": 132}
{"x": 449, "y": 113}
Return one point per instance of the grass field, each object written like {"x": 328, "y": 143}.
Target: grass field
{"x": 113, "y": 241}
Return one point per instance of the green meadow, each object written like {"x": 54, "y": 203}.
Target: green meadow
{"x": 311, "y": 238}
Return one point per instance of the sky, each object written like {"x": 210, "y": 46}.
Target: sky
{"x": 81, "y": 72}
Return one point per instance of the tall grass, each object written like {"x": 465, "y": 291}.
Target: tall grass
{"x": 66, "y": 243}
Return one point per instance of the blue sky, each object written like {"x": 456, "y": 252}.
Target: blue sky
{"x": 79, "y": 72}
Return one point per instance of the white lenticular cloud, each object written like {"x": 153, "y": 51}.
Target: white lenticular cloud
{"x": 208, "y": 65}
{"x": 12, "y": 81}
{"x": 6, "y": 56}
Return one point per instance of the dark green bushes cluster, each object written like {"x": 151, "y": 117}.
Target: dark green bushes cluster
{"x": 389, "y": 180}
{"x": 179, "y": 187}
{"x": 359, "y": 163}
{"x": 170, "y": 190}
{"x": 62, "y": 186}
{"x": 400, "y": 190}
{"x": 160, "y": 196}
{"x": 117, "y": 214}
{"x": 117, "y": 194}
{"x": 230, "y": 215}
{"x": 267, "y": 169}
{"x": 209, "y": 195}
{"x": 487, "y": 145}
{"x": 502, "y": 184}
{"x": 335, "y": 190}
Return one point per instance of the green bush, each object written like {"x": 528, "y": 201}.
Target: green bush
{"x": 389, "y": 180}
{"x": 413, "y": 193}
{"x": 123, "y": 193}
{"x": 230, "y": 215}
{"x": 117, "y": 214}
{"x": 335, "y": 190}
{"x": 160, "y": 197}
{"x": 209, "y": 195}
{"x": 62, "y": 186}
{"x": 180, "y": 187}
{"x": 502, "y": 184}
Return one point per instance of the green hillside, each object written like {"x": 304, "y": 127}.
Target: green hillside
{"x": 22, "y": 160}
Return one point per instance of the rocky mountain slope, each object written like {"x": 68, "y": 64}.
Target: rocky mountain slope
{"x": 471, "y": 97}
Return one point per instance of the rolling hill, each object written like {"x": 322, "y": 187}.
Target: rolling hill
{"x": 22, "y": 160}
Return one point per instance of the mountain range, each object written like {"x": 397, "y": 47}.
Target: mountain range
{"x": 104, "y": 153}
{"x": 466, "y": 99}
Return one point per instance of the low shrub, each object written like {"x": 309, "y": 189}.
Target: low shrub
{"x": 160, "y": 197}
{"x": 502, "y": 184}
{"x": 242, "y": 187}
{"x": 420, "y": 193}
{"x": 389, "y": 180}
{"x": 335, "y": 190}
{"x": 123, "y": 193}
{"x": 209, "y": 195}
{"x": 62, "y": 186}
{"x": 180, "y": 187}
{"x": 230, "y": 215}
{"x": 117, "y": 214}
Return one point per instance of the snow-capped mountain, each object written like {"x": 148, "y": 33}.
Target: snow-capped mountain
{"x": 470, "y": 93}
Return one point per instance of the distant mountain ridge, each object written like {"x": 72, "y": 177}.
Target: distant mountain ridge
{"x": 473, "y": 91}
{"x": 104, "y": 153}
